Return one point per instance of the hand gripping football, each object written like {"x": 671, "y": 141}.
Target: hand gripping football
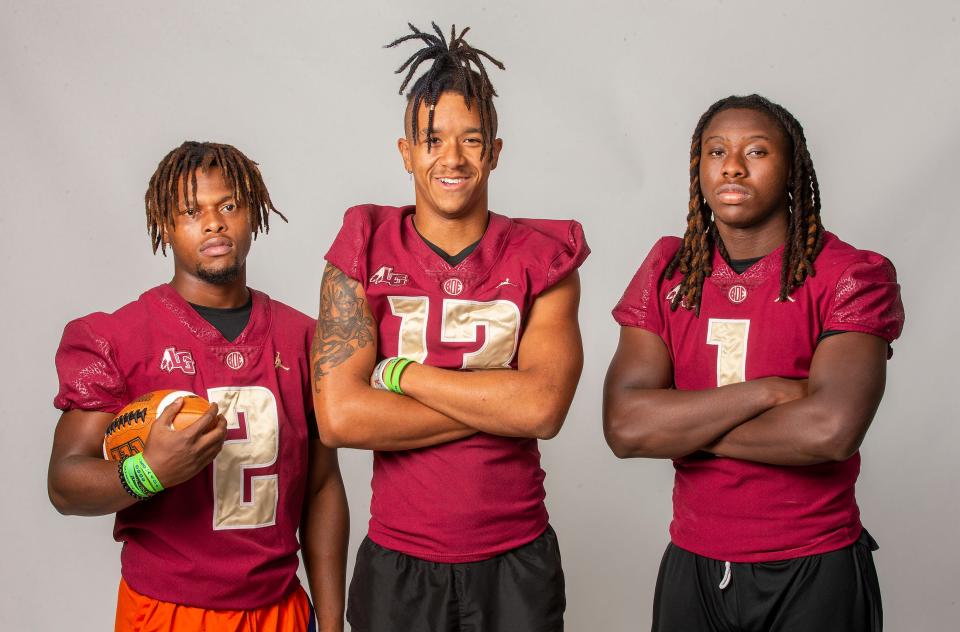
{"x": 127, "y": 433}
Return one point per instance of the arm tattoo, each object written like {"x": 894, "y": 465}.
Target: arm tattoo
{"x": 343, "y": 326}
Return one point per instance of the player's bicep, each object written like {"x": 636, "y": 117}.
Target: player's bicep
{"x": 551, "y": 337}
{"x": 641, "y": 361}
{"x": 848, "y": 375}
{"x": 79, "y": 433}
{"x": 344, "y": 346}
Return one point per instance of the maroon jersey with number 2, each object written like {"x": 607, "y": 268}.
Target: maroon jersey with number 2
{"x": 736, "y": 510}
{"x": 470, "y": 499}
{"x": 227, "y": 538}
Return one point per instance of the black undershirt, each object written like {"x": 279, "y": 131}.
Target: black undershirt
{"x": 742, "y": 265}
{"x": 452, "y": 260}
{"x": 229, "y": 321}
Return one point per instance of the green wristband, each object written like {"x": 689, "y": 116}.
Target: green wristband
{"x": 130, "y": 478}
{"x": 388, "y": 373}
{"x": 396, "y": 370}
{"x": 148, "y": 480}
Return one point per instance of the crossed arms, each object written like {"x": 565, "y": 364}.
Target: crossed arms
{"x": 770, "y": 420}
{"x": 441, "y": 405}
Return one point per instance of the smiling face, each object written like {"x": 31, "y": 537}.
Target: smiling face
{"x": 210, "y": 236}
{"x": 450, "y": 176}
{"x": 745, "y": 159}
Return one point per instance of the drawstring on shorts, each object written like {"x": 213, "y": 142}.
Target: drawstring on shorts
{"x": 727, "y": 576}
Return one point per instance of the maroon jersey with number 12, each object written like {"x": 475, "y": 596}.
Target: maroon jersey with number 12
{"x": 478, "y": 497}
{"x": 227, "y": 538}
{"x": 736, "y": 510}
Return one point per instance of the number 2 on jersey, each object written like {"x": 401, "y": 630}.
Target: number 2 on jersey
{"x": 245, "y": 485}
{"x": 730, "y": 338}
{"x": 459, "y": 323}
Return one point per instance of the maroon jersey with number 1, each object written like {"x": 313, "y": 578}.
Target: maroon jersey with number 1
{"x": 227, "y": 538}
{"x": 736, "y": 510}
{"x": 477, "y": 497}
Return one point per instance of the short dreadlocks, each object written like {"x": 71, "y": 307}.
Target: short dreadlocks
{"x": 804, "y": 232}
{"x": 452, "y": 71}
{"x": 180, "y": 167}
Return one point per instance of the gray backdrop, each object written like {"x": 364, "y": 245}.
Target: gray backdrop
{"x": 596, "y": 110}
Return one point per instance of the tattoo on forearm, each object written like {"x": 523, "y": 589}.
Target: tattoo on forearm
{"x": 343, "y": 326}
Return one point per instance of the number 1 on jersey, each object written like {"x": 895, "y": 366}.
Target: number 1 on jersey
{"x": 730, "y": 338}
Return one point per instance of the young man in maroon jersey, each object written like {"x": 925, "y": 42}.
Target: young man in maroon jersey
{"x": 757, "y": 369}
{"x": 473, "y": 319}
{"x": 217, "y": 548}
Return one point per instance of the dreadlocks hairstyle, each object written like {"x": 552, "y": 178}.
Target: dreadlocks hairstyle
{"x": 804, "y": 232}
{"x": 181, "y": 164}
{"x": 452, "y": 70}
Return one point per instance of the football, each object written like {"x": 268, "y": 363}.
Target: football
{"x": 127, "y": 433}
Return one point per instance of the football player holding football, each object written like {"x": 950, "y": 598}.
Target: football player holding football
{"x": 448, "y": 343}
{"x": 213, "y": 546}
{"x": 753, "y": 353}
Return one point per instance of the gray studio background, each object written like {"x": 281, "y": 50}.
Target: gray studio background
{"x": 596, "y": 109}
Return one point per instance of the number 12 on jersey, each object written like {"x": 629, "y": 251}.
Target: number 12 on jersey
{"x": 460, "y": 320}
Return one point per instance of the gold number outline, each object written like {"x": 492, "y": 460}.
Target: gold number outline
{"x": 232, "y": 466}
{"x": 459, "y": 321}
{"x": 731, "y": 337}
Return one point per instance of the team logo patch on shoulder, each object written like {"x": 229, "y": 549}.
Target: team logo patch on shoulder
{"x": 453, "y": 286}
{"x": 672, "y": 294}
{"x": 386, "y": 276}
{"x": 177, "y": 360}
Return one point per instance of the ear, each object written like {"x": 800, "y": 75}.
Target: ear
{"x": 403, "y": 145}
{"x": 165, "y": 231}
{"x": 495, "y": 152}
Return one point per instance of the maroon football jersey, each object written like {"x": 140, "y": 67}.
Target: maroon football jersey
{"x": 742, "y": 511}
{"x": 478, "y": 497}
{"x": 227, "y": 538}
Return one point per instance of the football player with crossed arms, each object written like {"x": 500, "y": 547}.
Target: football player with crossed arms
{"x": 448, "y": 343}
{"x": 215, "y": 548}
{"x": 753, "y": 353}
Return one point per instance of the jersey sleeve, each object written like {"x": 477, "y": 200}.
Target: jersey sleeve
{"x": 640, "y": 305}
{"x": 573, "y": 252}
{"x": 90, "y": 378}
{"x": 867, "y": 300}
{"x": 565, "y": 249}
{"x": 348, "y": 251}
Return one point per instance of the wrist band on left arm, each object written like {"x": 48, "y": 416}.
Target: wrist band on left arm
{"x": 393, "y": 372}
{"x": 148, "y": 480}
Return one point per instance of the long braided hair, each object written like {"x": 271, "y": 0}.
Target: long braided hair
{"x": 179, "y": 167}
{"x": 805, "y": 232}
{"x": 452, "y": 70}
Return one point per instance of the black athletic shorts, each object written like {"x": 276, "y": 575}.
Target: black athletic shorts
{"x": 519, "y": 591}
{"x": 836, "y": 591}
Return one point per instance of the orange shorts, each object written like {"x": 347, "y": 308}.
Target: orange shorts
{"x": 139, "y": 613}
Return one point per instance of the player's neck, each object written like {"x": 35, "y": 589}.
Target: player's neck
{"x": 754, "y": 241}
{"x": 222, "y": 295}
{"x": 451, "y": 234}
